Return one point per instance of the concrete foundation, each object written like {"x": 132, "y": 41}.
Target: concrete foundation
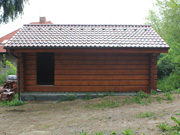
{"x": 57, "y": 96}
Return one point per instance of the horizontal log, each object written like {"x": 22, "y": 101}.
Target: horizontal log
{"x": 101, "y": 57}
{"x": 101, "y": 77}
{"x": 30, "y": 82}
{"x": 95, "y": 77}
{"x": 103, "y": 83}
{"x": 30, "y": 53}
{"x": 101, "y": 67}
{"x": 30, "y": 77}
{"x": 30, "y": 67}
{"x": 27, "y": 57}
{"x": 30, "y": 62}
{"x": 98, "y": 62}
{"x": 105, "y": 72}
{"x": 30, "y": 72}
{"x": 97, "y": 50}
{"x": 86, "y": 88}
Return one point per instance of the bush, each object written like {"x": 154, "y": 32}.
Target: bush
{"x": 11, "y": 71}
{"x": 169, "y": 83}
{"x": 165, "y": 66}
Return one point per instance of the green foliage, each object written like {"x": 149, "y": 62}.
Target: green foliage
{"x": 14, "y": 102}
{"x": 104, "y": 104}
{"x": 87, "y": 97}
{"x": 107, "y": 104}
{"x": 145, "y": 115}
{"x": 158, "y": 99}
{"x": 177, "y": 120}
{"x": 177, "y": 114}
{"x": 11, "y": 9}
{"x": 164, "y": 127}
{"x": 107, "y": 93}
{"x": 83, "y": 132}
{"x": 113, "y": 133}
{"x": 128, "y": 132}
{"x": 10, "y": 71}
{"x": 153, "y": 92}
{"x": 141, "y": 98}
{"x": 168, "y": 97}
{"x": 99, "y": 133}
{"x": 169, "y": 83}
{"x": 68, "y": 98}
{"x": 165, "y": 20}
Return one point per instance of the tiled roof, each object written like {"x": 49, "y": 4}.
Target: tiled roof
{"x": 54, "y": 35}
{"x": 5, "y": 39}
{"x": 1, "y": 49}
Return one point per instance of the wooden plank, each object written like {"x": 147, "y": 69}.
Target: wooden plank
{"x": 91, "y": 72}
{"x": 97, "y": 50}
{"x": 101, "y": 57}
{"x": 101, "y": 67}
{"x": 102, "y": 83}
{"x": 30, "y": 62}
{"x": 30, "y": 77}
{"x": 101, "y": 77}
{"x": 86, "y": 88}
{"x": 30, "y": 82}
{"x": 30, "y": 67}
{"x": 27, "y": 57}
{"x": 21, "y": 71}
{"x": 97, "y": 62}
{"x": 30, "y": 54}
{"x": 152, "y": 72}
{"x": 30, "y": 72}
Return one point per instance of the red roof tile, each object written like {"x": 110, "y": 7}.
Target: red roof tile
{"x": 1, "y": 49}
{"x": 59, "y": 35}
{"x": 7, "y": 37}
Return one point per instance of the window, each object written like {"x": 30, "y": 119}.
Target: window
{"x": 45, "y": 68}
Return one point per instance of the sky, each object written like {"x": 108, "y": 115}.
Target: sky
{"x": 82, "y": 12}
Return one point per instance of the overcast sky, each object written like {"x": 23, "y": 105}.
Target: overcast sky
{"x": 82, "y": 12}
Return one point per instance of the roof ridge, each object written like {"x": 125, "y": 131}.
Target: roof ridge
{"x": 89, "y": 25}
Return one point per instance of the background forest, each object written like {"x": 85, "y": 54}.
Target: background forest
{"x": 165, "y": 19}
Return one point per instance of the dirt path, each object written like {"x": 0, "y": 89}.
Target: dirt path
{"x": 71, "y": 117}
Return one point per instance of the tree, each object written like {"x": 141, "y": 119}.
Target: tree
{"x": 11, "y": 9}
{"x": 165, "y": 19}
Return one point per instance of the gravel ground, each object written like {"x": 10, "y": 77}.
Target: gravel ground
{"x": 71, "y": 117}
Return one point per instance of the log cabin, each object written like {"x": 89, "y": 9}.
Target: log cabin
{"x": 86, "y": 58}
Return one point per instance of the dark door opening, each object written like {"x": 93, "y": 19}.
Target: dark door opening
{"x": 45, "y": 68}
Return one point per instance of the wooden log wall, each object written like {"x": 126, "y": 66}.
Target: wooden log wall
{"x": 93, "y": 72}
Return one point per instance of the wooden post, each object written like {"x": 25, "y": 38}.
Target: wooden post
{"x": 21, "y": 72}
{"x": 153, "y": 63}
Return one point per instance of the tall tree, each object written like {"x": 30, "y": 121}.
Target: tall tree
{"x": 11, "y": 9}
{"x": 165, "y": 19}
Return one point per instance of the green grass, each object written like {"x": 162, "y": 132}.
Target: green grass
{"x": 104, "y": 104}
{"x": 107, "y": 104}
{"x": 87, "y": 96}
{"x": 164, "y": 127}
{"x": 83, "y": 132}
{"x": 168, "y": 96}
{"x": 14, "y": 102}
{"x": 68, "y": 98}
{"x": 141, "y": 98}
{"x": 128, "y": 132}
{"x": 146, "y": 115}
{"x": 158, "y": 99}
{"x": 171, "y": 130}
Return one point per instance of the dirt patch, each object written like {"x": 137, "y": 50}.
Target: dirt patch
{"x": 71, "y": 117}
